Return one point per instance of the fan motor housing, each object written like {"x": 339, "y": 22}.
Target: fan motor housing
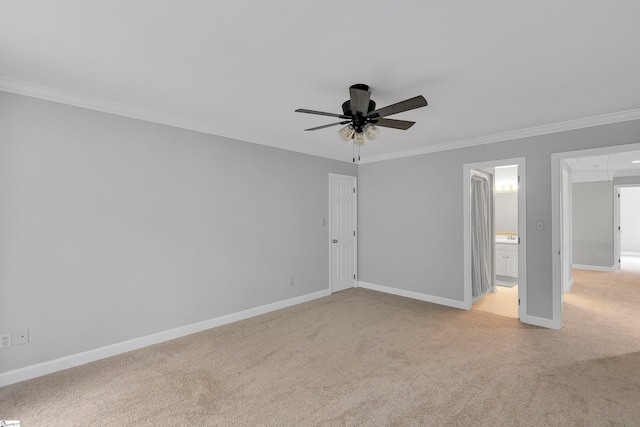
{"x": 358, "y": 121}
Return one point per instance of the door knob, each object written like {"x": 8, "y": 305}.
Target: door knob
{"x": 335, "y": 241}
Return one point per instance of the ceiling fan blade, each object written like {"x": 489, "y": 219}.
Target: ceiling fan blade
{"x": 359, "y": 100}
{"x": 321, "y": 113}
{"x": 392, "y": 123}
{"x": 327, "y": 126}
{"x": 399, "y": 107}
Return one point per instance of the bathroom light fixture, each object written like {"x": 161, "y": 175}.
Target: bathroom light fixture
{"x": 506, "y": 188}
{"x": 635, "y": 161}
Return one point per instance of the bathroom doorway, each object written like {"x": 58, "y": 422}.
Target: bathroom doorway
{"x": 507, "y": 295}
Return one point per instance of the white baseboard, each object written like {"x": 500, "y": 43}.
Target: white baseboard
{"x": 542, "y": 322}
{"x": 630, "y": 253}
{"x": 415, "y": 295}
{"x": 44, "y": 368}
{"x": 592, "y": 267}
{"x": 531, "y": 320}
{"x": 570, "y": 285}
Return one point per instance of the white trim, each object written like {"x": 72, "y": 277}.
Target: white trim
{"x": 83, "y": 101}
{"x": 625, "y": 253}
{"x": 566, "y": 225}
{"x": 414, "y": 295}
{"x": 522, "y": 230}
{"x": 616, "y": 227}
{"x": 78, "y": 100}
{"x": 603, "y": 119}
{"x": 542, "y": 322}
{"x": 37, "y": 370}
{"x": 355, "y": 223}
{"x": 593, "y": 267}
{"x": 557, "y": 296}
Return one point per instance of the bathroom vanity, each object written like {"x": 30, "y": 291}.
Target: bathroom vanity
{"x": 506, "y": 256}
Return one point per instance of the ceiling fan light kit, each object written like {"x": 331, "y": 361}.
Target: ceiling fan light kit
{"x": 346, "y": 133}
{"x": 370, "y": 131}
{"x": 362, "y": 118}
{"x": 358, "y": 139}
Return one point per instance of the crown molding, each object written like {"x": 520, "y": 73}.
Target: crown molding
{"x": 573, "y": 163}
{"x": 603, "y": 119}
{"x": 83, "y": 101}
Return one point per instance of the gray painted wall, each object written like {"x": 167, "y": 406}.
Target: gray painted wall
{"x": 506, "y": 212}
{"x": 410, "y": 213}
{"x": 626, "y": 180}
{"x": 593, "y": 224}
{"x": 113, "y": 228}
{"x": 630, "y": 219}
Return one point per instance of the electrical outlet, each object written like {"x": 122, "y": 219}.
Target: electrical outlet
{"x": 291, "y": 282}
{"x": 5, "y": 340}
{"x": 23, "y": 336}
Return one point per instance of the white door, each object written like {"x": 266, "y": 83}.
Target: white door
{"x": 342, "y": 225}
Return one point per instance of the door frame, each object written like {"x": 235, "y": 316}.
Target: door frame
{"x": 355, "y": 222}
{"x": 566, "y": 226}
{"x": 522, "y": 221}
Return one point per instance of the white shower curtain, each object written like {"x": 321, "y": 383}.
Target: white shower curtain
{"x": 481, "y": 236}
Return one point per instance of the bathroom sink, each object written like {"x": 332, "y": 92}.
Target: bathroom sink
{"x": 505, "y": 240}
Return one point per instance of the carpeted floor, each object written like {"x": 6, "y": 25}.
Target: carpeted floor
{"x": 361, "y": 357}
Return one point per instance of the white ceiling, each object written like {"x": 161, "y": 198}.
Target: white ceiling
{"x": 240, "y": 68}
{"x": 605, "y": 167}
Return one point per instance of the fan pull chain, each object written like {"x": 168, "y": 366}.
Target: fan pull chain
{"x": 353, "y": 149}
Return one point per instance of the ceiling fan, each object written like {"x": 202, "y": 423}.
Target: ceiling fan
{"x": 362, "y": 118}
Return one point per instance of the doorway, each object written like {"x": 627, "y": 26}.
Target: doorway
{"x": 601, "y": 166}
{"x": 343, "y": 242}
{"x": 507, "y": 247}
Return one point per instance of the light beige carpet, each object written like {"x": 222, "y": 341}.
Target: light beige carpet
{"x": 366, "y": 358}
